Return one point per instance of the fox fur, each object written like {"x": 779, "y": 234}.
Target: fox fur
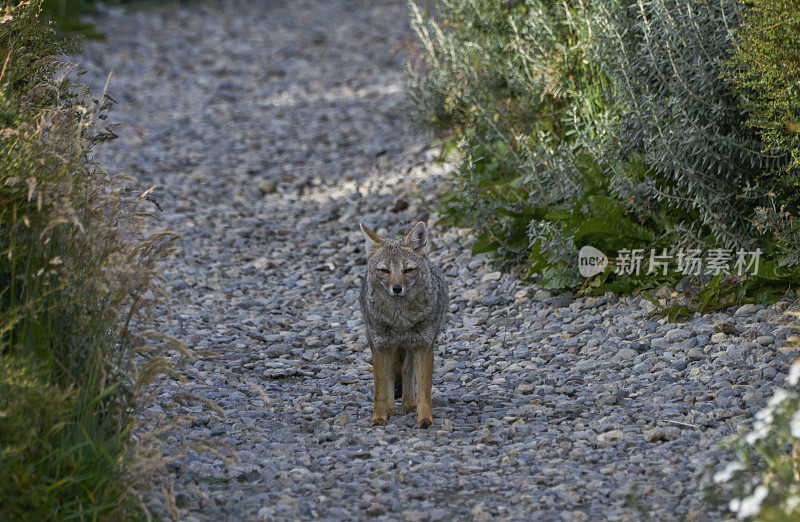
{"x": 404, "y": 301}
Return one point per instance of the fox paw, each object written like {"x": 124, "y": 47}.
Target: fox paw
{"x": 409, "y": 408}
{"x": 379, "y": 421}
{"x": 424, "y": 423}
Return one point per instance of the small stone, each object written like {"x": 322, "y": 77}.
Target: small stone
{"x": 491, "y": 276}
{"x": 664, "y": 292}
{"x": 266, "y": 187}
{"x": 653, "y": 435}
{"x": 695, "y": 354}
{"x": 792, "y": 346}
{"x": 524, "y": 389}
{"x": 676, "y": 335}
{"x": 662, "y": 434}
{"x": 724, "y": 327}
{"x": 765, "y": 340}
{"x": 341, "y": 419}
{"x": 609, "y": 437}
{"x": 439, "y": 515}
{"x": 400, "y": 205}
{"x": 753, "y": 397}
{"x": 522, "y": 294}
{"x": 182, "y": 499}
{"x": 718, "y": 337}
{"x": 375, "y": 509}
{"x": 414, "y": 516}
{"x": 606, "y": 399}
{"x": 680, "y": 365}
{"x": 626, "y": 354}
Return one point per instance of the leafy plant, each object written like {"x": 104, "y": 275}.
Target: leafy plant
{"x": 765, "y": 71}
{"x": 664, "y": 59}
{"x": 512, "y": 87}
{"x": 605, "y": 123}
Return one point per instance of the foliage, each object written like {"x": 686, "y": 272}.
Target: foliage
{"x": 70, "y": 16}
{"x": 603, "y": 123}
{"x": 765, "y": 70}
{"x": 67, "y": 15}
{"x": 513, "y": 89}
{"x": 76, "y": 277}
{"x": 762, "y": 479}
{"x": 664, "y": 59}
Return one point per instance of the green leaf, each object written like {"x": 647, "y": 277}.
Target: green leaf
{"x": 484, "y": 244}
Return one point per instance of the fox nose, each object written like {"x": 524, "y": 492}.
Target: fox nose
{"x": 396, "y": 289}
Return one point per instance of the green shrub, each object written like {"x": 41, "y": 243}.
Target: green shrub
{"x": 665, "y": 59}
{"x": 513, "y": 89}
{"x": 67, "y": 15}
{"x": 604, "y": 123}
{"x": 765, "y": 71}
{"x": 76, "y": 271}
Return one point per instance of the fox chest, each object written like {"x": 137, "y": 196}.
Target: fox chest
{"x": 400, "y": 328}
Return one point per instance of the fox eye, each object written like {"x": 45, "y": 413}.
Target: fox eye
{"x": 409, "y": 269}
{"x": 384, "y": 270}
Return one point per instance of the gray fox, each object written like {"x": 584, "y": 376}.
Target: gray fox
{"x": 404, "y": 302}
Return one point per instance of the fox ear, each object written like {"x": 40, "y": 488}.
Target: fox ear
{"x": 417, "y": 239}
{"x": 373, "y": 240}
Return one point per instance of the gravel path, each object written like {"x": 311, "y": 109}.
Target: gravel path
{"x": 270, "y": 130}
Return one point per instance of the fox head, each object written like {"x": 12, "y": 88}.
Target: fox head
{"x": 397, "y": 265}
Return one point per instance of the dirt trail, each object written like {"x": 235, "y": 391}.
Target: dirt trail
{"x": 270, "y": 130}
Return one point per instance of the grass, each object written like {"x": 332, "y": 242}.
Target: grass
{"x": 77, "y": 292}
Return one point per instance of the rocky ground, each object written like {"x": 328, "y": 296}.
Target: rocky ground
{"x": 270, "y": 129}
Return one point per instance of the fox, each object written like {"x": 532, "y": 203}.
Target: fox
{"x": 404, "y": 300}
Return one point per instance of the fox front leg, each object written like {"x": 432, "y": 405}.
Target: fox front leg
{"x": 383, "y": 395}
{"x": 423, "y": 369}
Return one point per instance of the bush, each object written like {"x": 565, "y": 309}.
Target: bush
{"x": 606, "y": 124}
{"x": 665, "y": 59}
{"x": 765, "y": 71}
{"x": 76, "y": 275}
{"x": 513, "y": 89}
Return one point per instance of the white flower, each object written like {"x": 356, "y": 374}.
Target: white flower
{"x": 764, "y": 415}
{"x": 750, "y": 506}
{"x": 760, "y": 431}
{"x": 792, "y": 503}
{"x": 726, "y": 474}
{"x": 780, "y": 396}
{"x": 794, "y": 373}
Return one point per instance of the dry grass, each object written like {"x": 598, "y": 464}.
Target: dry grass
{"x": 79, "y": 273}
